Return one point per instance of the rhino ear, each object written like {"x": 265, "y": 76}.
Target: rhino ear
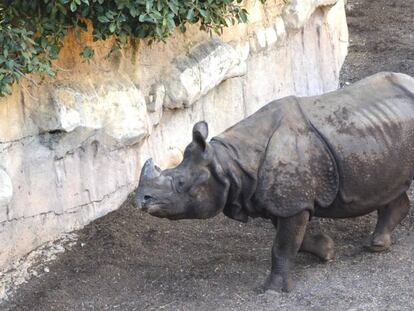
{"x": 200, "y": 134}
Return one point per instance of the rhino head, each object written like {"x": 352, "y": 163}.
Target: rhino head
{"x": 196, "y": 188}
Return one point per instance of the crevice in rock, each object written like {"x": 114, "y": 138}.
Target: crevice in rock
{"x": 72, "y": 210}
{"x": 18, "y": 140}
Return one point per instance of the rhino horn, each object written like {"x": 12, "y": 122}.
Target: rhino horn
{"x": 149, "y": 171}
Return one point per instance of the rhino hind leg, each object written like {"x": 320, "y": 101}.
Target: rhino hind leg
{"x": 320, "y": 245}
{"x": 388, "y": 218}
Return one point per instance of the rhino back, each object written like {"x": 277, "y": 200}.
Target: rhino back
{"x": 369, "y": 128}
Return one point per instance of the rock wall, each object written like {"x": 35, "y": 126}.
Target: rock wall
{"x": 71, "y": 148}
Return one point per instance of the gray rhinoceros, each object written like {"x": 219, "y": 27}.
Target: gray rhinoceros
{"x": 342, "y": 154}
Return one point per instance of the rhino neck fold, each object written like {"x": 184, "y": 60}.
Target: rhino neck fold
{"x": 242, "y": 181}
{"x": 240, "y": 151}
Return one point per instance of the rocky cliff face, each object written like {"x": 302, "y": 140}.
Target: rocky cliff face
{"x": 71, "y": 148}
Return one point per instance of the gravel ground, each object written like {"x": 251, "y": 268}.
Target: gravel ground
{"x": 131, "y": 261}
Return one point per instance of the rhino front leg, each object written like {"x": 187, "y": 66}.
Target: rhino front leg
{"x": 289, "y": 237}
{"x": 320, "y": 244}
{"x": 388, "y": 218}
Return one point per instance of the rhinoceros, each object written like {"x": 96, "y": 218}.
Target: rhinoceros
{"x": 342, "y": 154}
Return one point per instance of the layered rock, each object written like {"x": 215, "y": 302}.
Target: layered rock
{"x": 6, "y": 193}
{"x": 71, "y": 148}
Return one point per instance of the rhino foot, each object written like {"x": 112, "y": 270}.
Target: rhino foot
{"x": 320, "y": 245}
{"x": 278, "y": 283}
{"x": 325, "y": 247}
{"x": 380, "y": 243}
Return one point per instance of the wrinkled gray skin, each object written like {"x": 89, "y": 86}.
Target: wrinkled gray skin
{"x": 343, "y": 154}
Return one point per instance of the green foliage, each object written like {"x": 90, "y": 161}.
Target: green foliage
{"x": 32, "y": 31}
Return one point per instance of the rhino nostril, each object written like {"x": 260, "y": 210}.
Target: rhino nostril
{"x": 147, "y": 198}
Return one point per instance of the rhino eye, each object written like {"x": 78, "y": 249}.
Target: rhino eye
{"x": 179, "y": 185}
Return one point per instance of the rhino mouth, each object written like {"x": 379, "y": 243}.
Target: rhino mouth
{"x": 154, "y": 208}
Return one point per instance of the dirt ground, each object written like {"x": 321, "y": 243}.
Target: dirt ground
{"x": 132, "y": 261}
{"x": 381, "y": 38}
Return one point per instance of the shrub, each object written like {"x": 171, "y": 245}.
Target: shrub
{"x": 32, "y": 31}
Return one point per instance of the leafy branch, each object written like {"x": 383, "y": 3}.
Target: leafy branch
{"x": 32, "y": 31}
